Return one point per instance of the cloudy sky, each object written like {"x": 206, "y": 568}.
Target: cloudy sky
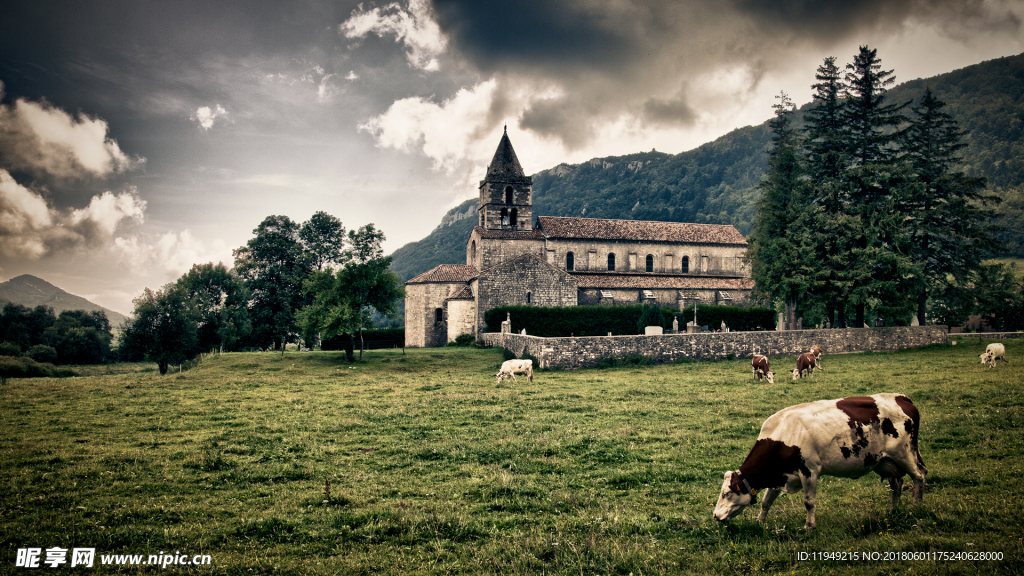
{"x": 140, "y": 137}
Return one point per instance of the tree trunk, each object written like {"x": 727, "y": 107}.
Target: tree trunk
{"x": 163, "y": 366}
{"x": 361, "y": 344}
{"x": 349, "y": 354}
{"x": 830, "y": 314}
{"x": 859, "y": 319}
{"x": 841, "y": 314}
{"x": 791, "y": 313}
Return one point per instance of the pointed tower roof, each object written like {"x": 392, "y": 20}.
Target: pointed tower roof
{"x": 505, "y": 166}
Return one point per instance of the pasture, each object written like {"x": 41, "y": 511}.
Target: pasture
{"x": 434, "y": 469}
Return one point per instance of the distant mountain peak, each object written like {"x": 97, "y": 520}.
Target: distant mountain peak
{"x": 32, "y": 291}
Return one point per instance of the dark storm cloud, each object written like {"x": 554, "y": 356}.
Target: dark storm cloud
{"x": 610, "y": 58}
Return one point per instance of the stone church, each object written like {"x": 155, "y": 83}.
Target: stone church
{"x": 514, "y": 258}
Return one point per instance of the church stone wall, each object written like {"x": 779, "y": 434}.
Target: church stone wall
{"x": 705, "y": 260}
{"x": 421, "y": 304}
{"x": 492, "y": 252}
{"x": 461, "y": 318}
{"x": 509, "y": 284}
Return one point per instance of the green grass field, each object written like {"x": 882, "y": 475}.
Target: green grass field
{"x": 435, "y": 469}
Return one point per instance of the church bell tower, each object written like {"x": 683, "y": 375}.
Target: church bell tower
{"x": 506, "y": 193}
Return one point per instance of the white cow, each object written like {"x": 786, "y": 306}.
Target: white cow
{"x": 848, "y": 437}
{"x": 992, "y": 353}
{"x": 510, "y": 368}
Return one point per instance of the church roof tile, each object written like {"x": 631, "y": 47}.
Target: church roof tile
{"x": 446, "y": 273}
{"x": 639, "y": 230}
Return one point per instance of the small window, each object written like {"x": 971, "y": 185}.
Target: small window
{"x": 508, "y": 195}
{"x": 504, "y": 216}
{"x": 439, "y": 315}
{"x": 570, "y": 262}
{"x": 515, "y": 216}
{"x": 686, "y": 264}
{"x": 529, "y": 298}
{"x": 611, "y": 261}
{"x": 472, "y": 253}
{"x": 650, "y": 263}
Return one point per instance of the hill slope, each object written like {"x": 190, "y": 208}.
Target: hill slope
{"x": 716, "y": 182}
{"x": 31, "y": 291}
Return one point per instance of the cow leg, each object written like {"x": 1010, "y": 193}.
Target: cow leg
{"x": 896, "y": 486}
{"x": 810, "y": 484}
{"x": 769, "y": 497}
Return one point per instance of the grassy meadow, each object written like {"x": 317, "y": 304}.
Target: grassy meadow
{"x": 434, "y": 469}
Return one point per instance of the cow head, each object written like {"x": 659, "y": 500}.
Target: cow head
{"x": 796, "y": 374}
{"x": 985, "y": 356}
{"x": 500, "y": 376}
{"x": 770, "y": 376}
{"x": 735, "y": 496}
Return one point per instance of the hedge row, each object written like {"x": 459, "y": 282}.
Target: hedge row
{"x": 619, "y": 320}
{"x": 373, "y": 340}
{"x": 22, "y": 367}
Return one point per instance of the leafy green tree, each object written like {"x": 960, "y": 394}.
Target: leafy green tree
{"x": 164, "y": 327}
{"x": 650, "y": 315}
{"x": 221, "y": 301}
{"x": 80, "y": 337}
{"x": 344, "y": 302}
{"x": 944, "y": 209}
{"x": 23, "y": 326}
{"x": 999, "y": 295}
{"x": 323, "y": 237}
{"x": 274, "y": 267}
{"x": 780, "y": 252}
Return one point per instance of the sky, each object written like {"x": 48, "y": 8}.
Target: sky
{"x": 140, "y": 137}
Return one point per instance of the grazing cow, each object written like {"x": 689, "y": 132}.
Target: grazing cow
{"x": 510, "y": 368}
{"x": 806, "y": 362}
{"x": 992, "y": 353}
{"x": 818, "y": 352}
{"x": 848, "y": 437}
{"x": 760, "y": 367}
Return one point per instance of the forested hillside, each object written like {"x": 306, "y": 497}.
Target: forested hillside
{"x": 715, "y": 183}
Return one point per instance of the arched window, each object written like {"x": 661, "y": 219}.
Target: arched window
{"x": 504, "y": 216}
{"x": 611, "y": 261}
{"x": 472, "y": 253}
{"x": 515, "y": 217}
{"x": 508, "y": 194}
{"x": 570, "y": 261}
{"x": 529, "y": 297}
{"x": 439, "y": 315}
{"x": 686, "y": 264}
{"x": 650, "y": 263}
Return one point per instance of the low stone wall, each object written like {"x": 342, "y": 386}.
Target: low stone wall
{"x": 587, "y": 351}
{"x": 987, "y": 335}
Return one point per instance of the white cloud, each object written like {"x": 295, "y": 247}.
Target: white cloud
{"x": 31, "y": 229}
{"x": 325, "y": 91}
{"x": 171, "y": 254}
{"x": 205, "y": 115}
{"x": 351, "y": 76}
{"x": 413, "y": 26}
{"x": 40, "y": 138}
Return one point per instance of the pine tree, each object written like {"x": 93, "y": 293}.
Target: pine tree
{"x": 779, "y": 252}
{"x": 876, "y": 259}
{"x": 944, "y": 209}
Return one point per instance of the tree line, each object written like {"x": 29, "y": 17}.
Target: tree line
{"x": 865, "y": 210}
{"x": 291, "y": 283}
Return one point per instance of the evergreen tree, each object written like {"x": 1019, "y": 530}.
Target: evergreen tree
{"x": 780, "y": 252}
{"x": 825, "y": 142}
{"x": 876, "y": 255}
{"x": 943, "y": 208}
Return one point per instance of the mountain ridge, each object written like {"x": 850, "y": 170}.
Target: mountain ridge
{"x": 32, "y": 291}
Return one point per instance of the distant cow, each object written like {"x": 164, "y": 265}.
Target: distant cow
{"x": 806, "y": 362}
{"x": 510, "y": 368}
{"x": 992, "y": 353}
{"x": 818, "y": 352}
{"x": 848, "y": 437}
{"x": 760, "y": 367}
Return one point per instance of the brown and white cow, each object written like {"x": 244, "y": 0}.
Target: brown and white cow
{"x": 848, "y": 437}
{"x": 761, "y": 369}
{"x": 806, "y": 362}
{"x": 818, "y": 352}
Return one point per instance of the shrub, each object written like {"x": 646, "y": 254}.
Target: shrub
{"x": 620, "y": 320}
{"x": 11, "y": 367}
{"x": 43, "y": 354}
{"x": 463, "y": 340}
{"x": 9, "y": 349}
{"x": 650, "y": 315}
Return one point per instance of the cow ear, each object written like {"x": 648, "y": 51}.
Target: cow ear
{"x": 727, "y": 475}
